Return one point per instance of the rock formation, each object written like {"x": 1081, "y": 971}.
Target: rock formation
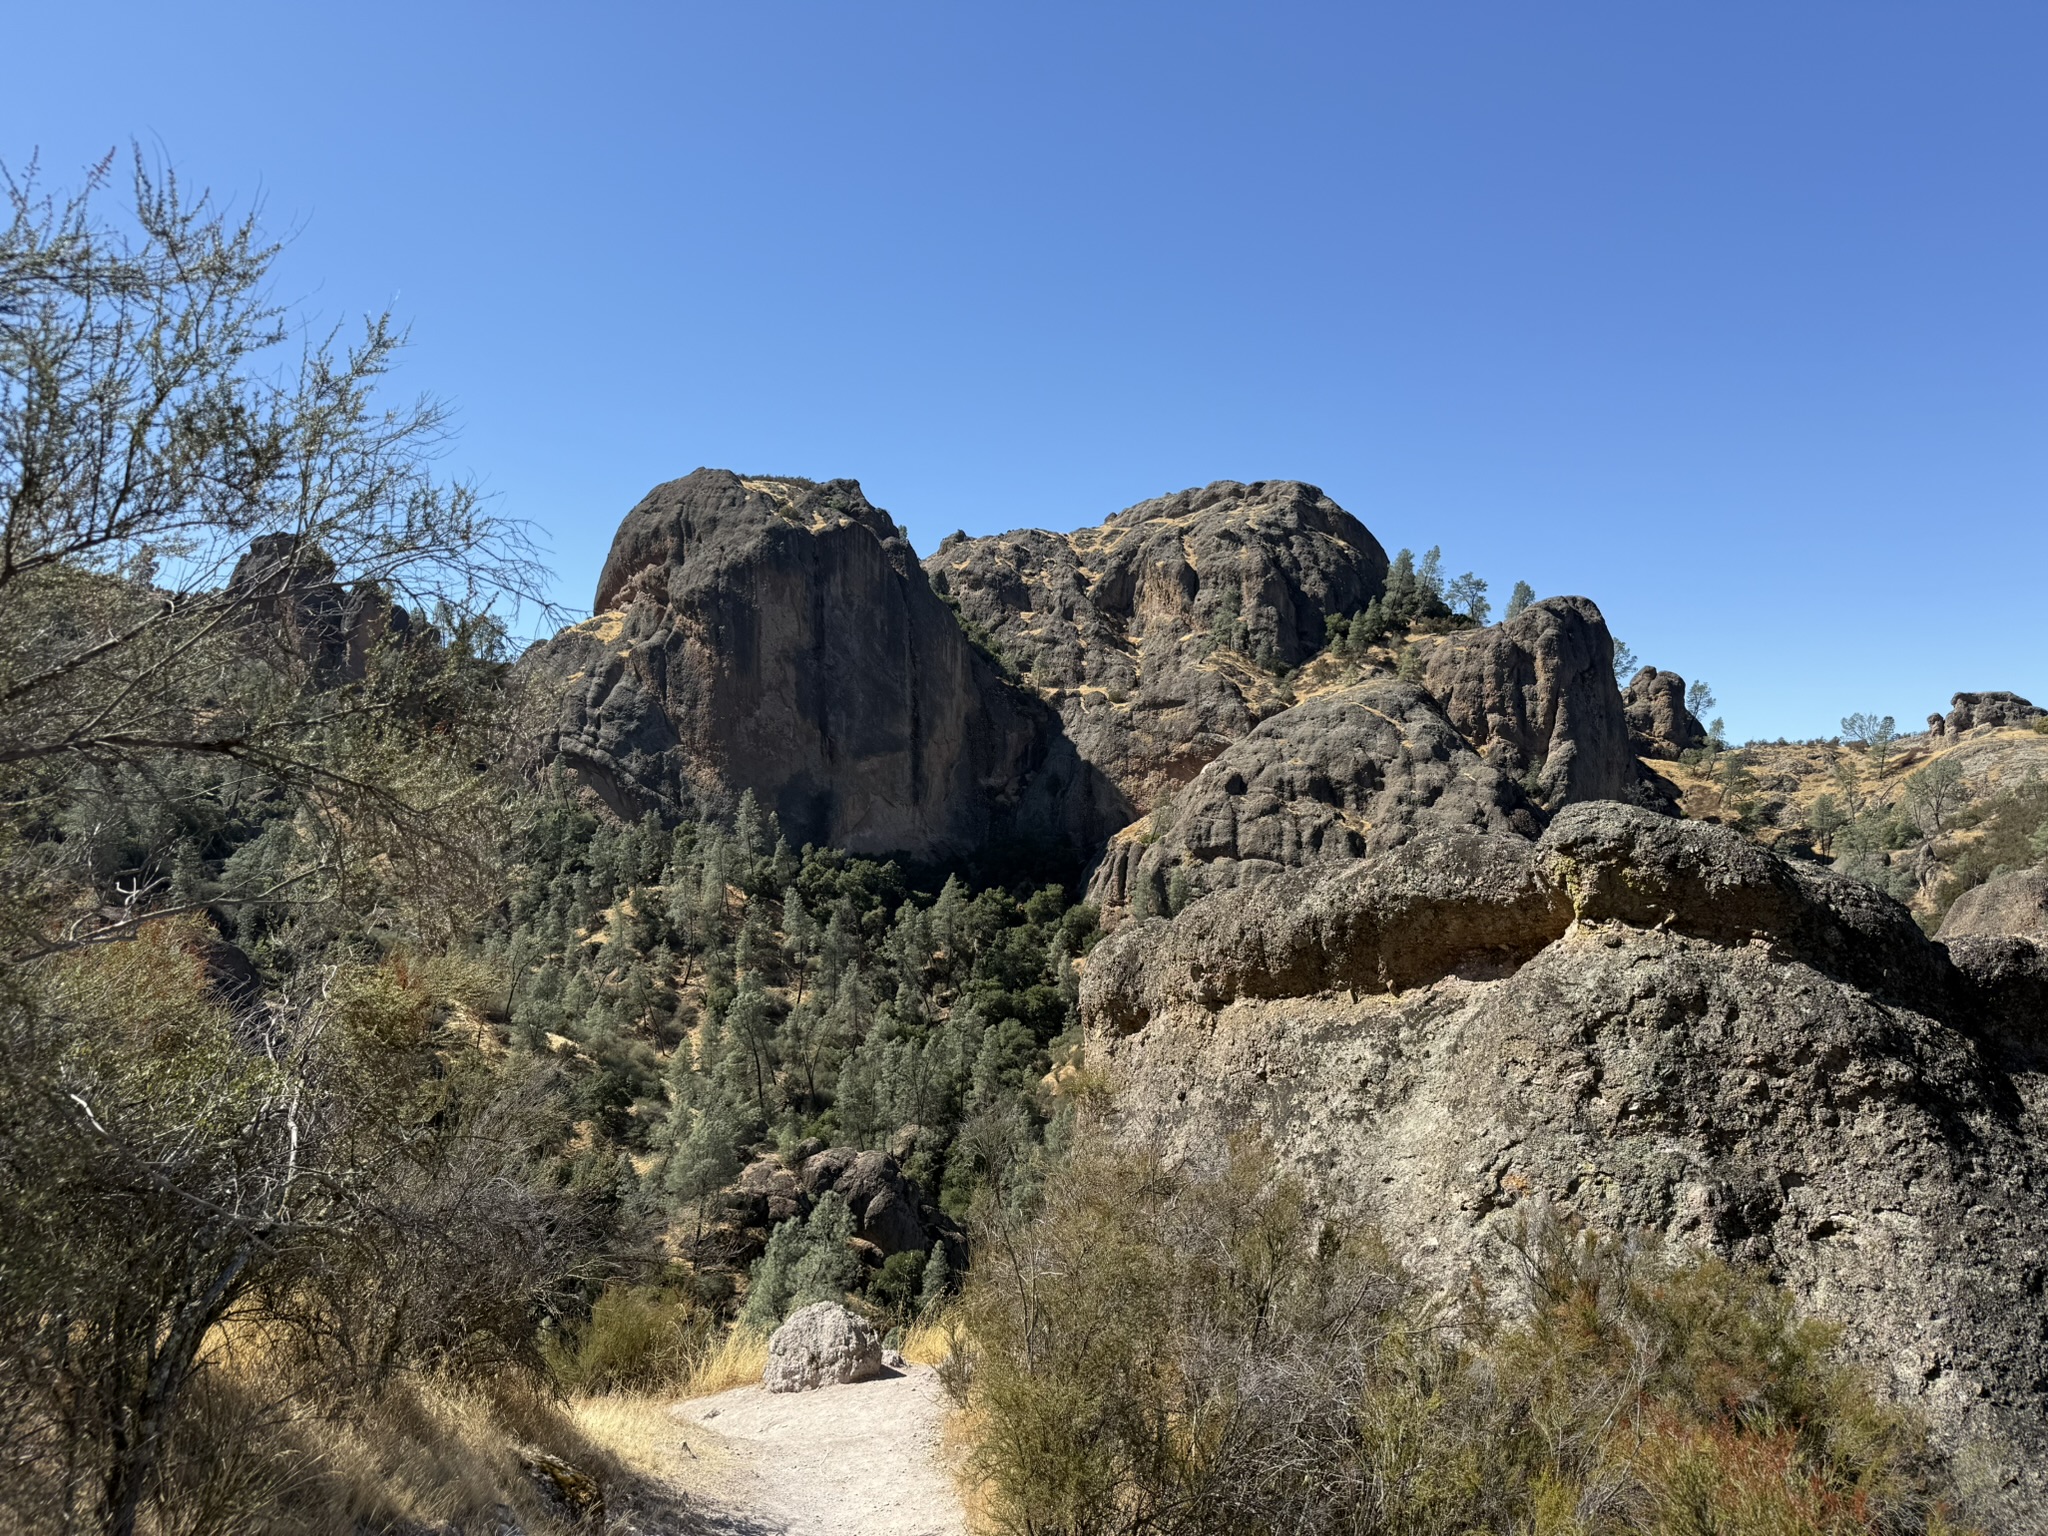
{"x": 891, "y": 1213}
{"x": 822, "y": 1345}
{"x": 1340, "y": 776}
{"x": 1969, "y": 710}
{"x": 2010, "y": 903}
{"x": 333, "y": 630}
{"x": 777, "y": 635}
{"x": 1117, "y": 624}
{"x": 1653, "y": 1025}
{"x": 1659, "y": 724}
{"x": 1537, "y": 697}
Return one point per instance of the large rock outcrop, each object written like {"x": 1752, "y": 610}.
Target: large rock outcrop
{"x": 2016, "y": 902}
{"x": 1343, "y": 775}
{"x": 1537, "y": 697}
{"x": 1659, "y": 724}
{"x": 1118, "y": 624}
{"x": 1967, "y": 711}
{"x": 777, "y": 635}
{"x": 1649, "y": 1024}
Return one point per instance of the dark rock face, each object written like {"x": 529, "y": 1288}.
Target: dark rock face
{"x": 1659, "y": 724}
{"x": 1969, "y": 710}
{"x": 1651, "y": 1024}
{"x": 333, "y": 629}
{"x": 1115, "y": 623}
{"x": 2009, "y": 903}
{"x": 1341, "y": 776}
{"x": 1537, "y": 697}
{"x": 778, "y": 636}
{"x": 891, "y": 1212}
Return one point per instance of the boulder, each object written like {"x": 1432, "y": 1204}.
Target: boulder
{"x": 1116, "y": 624}
{"x": 1536, "y": 697}
{"x": 890, "y": 1210}
{"x": 821, "y": 1345}
{"x": 1341, "y": 776}
{"x": 1659, "y": 724}
{"x": 778, "y": 635}
{"x": 2016, "y": 902}
{"x": 1970, "y": 710}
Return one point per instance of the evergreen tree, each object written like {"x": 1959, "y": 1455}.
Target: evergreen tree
{"x": 1520, "y": 598}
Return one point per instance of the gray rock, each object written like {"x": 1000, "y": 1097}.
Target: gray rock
{"x": 1649, "y": 1024}
{"x": 1659, "y": 724}
{"x": 1115, "y": 623}
{"x": 1536, "y": 697}
{"x": 2010, "y": 903}
{"x": 1341, "y": 776}
{"x": 1997, "y": 710}
{"x": 821, "y": 1345}
{"x": 778, "y": 635}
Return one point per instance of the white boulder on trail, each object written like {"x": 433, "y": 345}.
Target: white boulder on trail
{"x": 821, "y": 1345}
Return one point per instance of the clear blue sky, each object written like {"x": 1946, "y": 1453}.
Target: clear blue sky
{"x": 1733, "y": 317}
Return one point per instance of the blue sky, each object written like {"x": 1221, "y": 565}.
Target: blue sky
{"x": 1732, "y": 317}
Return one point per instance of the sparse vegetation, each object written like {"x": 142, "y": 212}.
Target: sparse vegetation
{"x": 1158, "y": 1351}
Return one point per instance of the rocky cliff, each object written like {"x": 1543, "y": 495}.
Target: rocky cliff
{"x": 1652, "y": 1025}
{"x": 1537, "y": 697}
{"x": 778, "y": 635}
{"x": 1139, "y": 631}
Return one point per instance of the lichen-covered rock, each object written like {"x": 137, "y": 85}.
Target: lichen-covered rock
{"x": 1119, "y": 625}
{"x": 1653, "y": 1026}
{"x": 1339, "y": 777}
{"x": 1659, "y": 724}
{"x": 778, "y": 636}
{"x": 821, "y": 1345}
{"x": 1536, "y": 697}
{"x": 1967, "y": 711}
{"x": 2016, "y": 902}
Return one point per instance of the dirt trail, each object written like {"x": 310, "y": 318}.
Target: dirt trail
{"x": 862, "y": 1459}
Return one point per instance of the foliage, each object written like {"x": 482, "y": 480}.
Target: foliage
{"x": 1520, "y": 598}
{"x": 807, "y": 1260}
{"x": 637, "y": 1338}
{"x": 1175, "y": 1352}
{"x": 2011, "y": 830}
{"x": 1874, "y": 735}
{"x": 1936, "y": 792}
{"x": 1625, "y": 662}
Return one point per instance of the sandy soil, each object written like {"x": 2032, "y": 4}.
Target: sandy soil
{"x": 857, "y": 1460}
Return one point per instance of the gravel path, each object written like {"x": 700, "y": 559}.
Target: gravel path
{"x": 862, "y": 1459}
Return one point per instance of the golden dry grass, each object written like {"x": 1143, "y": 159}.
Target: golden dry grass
{"x": 736, "y": 1360}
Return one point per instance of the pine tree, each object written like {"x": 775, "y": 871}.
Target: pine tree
{"x": 1519, "y": 599}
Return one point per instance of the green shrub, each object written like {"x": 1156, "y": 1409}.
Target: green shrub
{"x": 1166, "y": 1353}
{"x": 636, "y": 1339}
{"x": 807, "y": 1260}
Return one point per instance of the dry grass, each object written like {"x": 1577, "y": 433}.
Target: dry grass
{"x": 935, "y": 1337}
{"x": 736, "y": 1360}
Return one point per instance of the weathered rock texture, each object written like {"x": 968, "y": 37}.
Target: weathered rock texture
{"x": 333, "y": 630}
{"x": 1659, "y": 724}
{"x": 1969, "y": 710}
{"x": 777, "y": 635}
{"x": 1115, "y": 623}
{"x": 2010, "y": 903}
{"x": 891, "y": 1212}
{"x": 821, "y": 1345}
{"x": 1651, "y": 1024}
{"x": 1341, "y": 776}
{"x": 1537, "y": 697}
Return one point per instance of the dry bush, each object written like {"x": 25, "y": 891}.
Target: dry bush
{"x": 1159, "y": 1352}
